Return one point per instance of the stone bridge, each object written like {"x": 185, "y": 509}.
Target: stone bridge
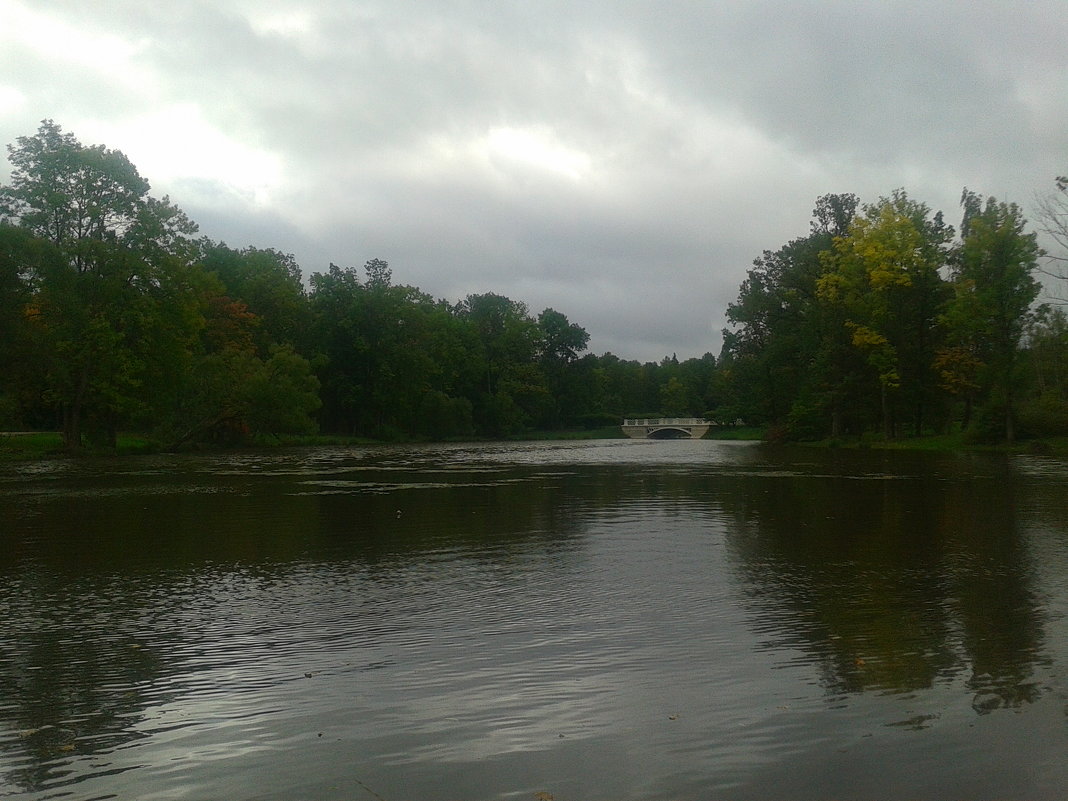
{"x": 666, "y": 428}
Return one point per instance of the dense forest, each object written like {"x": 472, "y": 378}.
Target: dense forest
{"x": 881, "y": 321}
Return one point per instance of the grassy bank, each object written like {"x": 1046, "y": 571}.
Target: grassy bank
{"x": 747, "y": 433}
{"x": 26, "y": 446}
{"x": 49, "y": 444}
{"x": 30, "y": 445}
{"x": 23, "y": 446}
{"x": 958, "y": 441}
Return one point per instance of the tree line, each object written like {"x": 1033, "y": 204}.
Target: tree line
{"x": 883, "y": 320}
{"x": 115, "y": 315}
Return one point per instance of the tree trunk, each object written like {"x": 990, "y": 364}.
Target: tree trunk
{"x": 72, "y": 415}
{"x": 1010, "y": 426}
{"x": 888, "y": 429}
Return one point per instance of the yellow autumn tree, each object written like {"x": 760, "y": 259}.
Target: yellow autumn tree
{"x": 884, "y": 277}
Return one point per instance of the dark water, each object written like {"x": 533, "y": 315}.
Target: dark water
{"x": 612, "y": 620}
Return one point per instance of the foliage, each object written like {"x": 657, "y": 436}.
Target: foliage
{"x": 895, "y": 324}
{"x": 112, "y": 317}
{"x": 101, "y": 296}
{"x": 994, "y": 288}
{"x": 883, "y": 279}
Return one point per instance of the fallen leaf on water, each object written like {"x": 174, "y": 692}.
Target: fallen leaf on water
{"x": 543, "y": 796}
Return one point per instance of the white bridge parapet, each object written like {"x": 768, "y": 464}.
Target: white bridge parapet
{"x": 666, "y": 427}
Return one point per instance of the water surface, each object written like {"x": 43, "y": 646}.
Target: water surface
{"x": 608, "y": 620}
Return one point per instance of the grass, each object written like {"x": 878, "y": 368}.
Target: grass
{"x": 956, "y": 441}
{"x": 25, "y": 445}
{"x": 29, "y": 445}
{"x": 748, "y": 433}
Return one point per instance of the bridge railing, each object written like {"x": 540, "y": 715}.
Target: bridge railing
{"x": 665, "y": 421}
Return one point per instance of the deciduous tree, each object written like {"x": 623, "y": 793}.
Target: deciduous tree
{"x": 994, "y": 289}
{"x": 119, "y": 250}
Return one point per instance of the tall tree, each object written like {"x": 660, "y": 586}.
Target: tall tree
{"x": 395, "y": 362}
{"x": 23, "y": 259}
{"x": 512, "y": 393}
{"x": 784, "y": 358}
{"x": 994, "y": 286}
{"x": 97, "y": 301}
{"x": 884, "y": 277}
{"x": 559, "y": 344}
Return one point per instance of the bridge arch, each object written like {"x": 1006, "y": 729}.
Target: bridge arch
{"x": 669, "y": 432}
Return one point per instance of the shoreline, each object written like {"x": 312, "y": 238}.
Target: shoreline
{"x": 31, "y": 445}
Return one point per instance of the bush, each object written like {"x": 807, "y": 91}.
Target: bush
{"x": 9, "y": 414}
{"x": 444, "y": 417}
{"x": 988, "y": 424}
{"x": 599, "y": 420}
{"x": 1044, "y": 416}
{"x": 808, "y": 420}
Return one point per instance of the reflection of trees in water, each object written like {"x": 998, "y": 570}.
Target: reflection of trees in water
{"x": 485, "y": 514}
{"x": 103, "y": 593}
{"x": 989, "y": 577}
{"x": 887, "y": 584}
{"x": 892, "y": 584}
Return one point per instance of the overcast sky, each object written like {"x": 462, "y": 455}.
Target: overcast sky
{"x": 621, "y": 162}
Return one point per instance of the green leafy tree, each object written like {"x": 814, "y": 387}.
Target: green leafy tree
{"x": 883, "y": 278}
{"x": 1045, "y": 410}
{"x": 237, "y": 396}
{"x": 675, "y": 398}
{"x": 559, "y": 344}
{"x": 395, "y": 362}
{"x": 269, "y": 283}
{"x": 96, "y": 302}
{"x": 23, "y": 259}
{"x": 786, "y": 362}
{"x": 512, "y": 393}
{"x": 994, "y": 288}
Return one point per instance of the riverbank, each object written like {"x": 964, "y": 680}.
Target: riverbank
{"x": 28, "y": 445}
{"x": 1044, "y": 446}
{"x": 23, "y": 446}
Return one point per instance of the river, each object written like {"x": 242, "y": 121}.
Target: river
{"x": 629, "y": 619}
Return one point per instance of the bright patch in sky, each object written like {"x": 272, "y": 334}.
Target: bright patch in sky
{"x": 10, "y": 99}
{"x": 176, "y": 145}
{"x": 537, "y": 148}
{"x": 61, "y": 42}
{"x": 288, "y": 23}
